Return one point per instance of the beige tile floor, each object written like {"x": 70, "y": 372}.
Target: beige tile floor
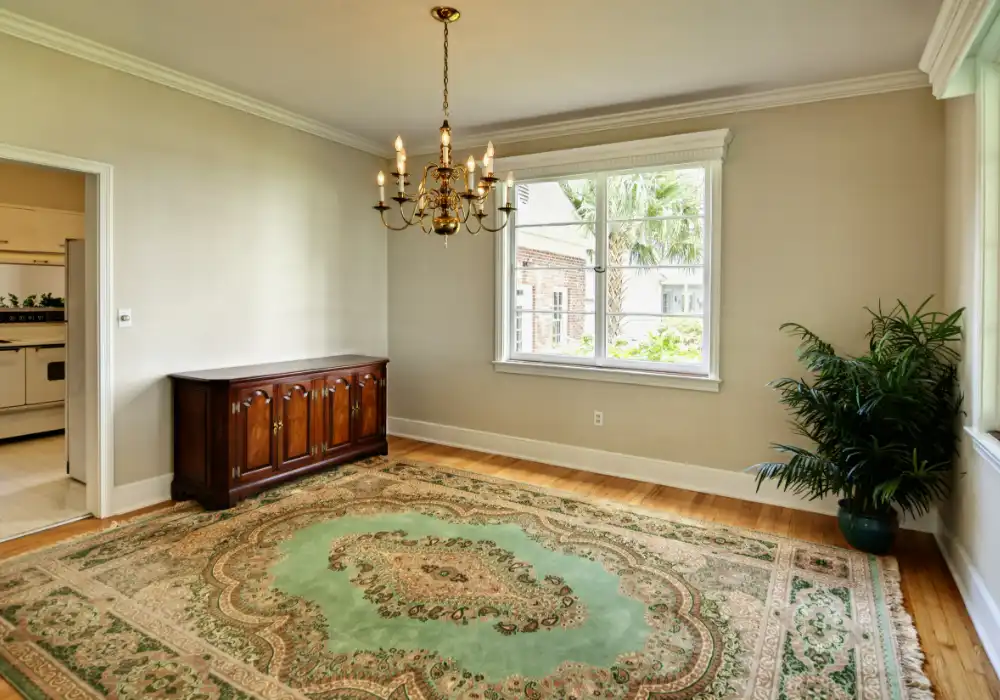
{"x": 34, "y": 489}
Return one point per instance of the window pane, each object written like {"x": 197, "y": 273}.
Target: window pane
{"x": 555, "y": 202}
{"x": 659, "y": 242}
{"x": 656, "y": 290}
{"x": 663, "y": 193}
{"x": 554, "y": 333}
{"x": 547, "y": 290}
{"x": 655, "y": 339}
{"x": 555, "y": 246}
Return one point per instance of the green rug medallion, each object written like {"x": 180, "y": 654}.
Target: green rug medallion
{"x": 606, "y": 623}
{"x": 401, "y": 581}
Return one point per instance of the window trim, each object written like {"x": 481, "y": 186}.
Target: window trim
{"x": 702, "y": 149}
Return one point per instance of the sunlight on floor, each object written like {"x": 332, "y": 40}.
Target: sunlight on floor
{"x": 34, "y": 489}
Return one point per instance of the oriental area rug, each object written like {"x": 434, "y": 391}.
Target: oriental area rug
{"x": 403, "y": 581}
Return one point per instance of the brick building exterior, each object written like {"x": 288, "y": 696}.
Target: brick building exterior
{"x": 537, "y": 291}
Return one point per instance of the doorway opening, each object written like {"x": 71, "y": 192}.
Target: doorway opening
{"x": 55, "y": 413}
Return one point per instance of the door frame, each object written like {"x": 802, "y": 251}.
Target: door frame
{"x": 98, "y": 318}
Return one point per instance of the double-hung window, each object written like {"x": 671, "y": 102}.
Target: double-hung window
{"x": 618, "y": 247}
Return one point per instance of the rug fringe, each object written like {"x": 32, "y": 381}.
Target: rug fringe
{"x": 911, "y": 657}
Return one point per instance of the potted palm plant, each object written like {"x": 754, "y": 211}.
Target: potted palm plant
{"x": 884, "y": 424}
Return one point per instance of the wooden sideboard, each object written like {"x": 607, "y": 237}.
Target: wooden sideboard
{"x": 239, "y": 430}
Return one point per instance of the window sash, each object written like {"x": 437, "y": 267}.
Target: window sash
{"x": 709, "y": 359}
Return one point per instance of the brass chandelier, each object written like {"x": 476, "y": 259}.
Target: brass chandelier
{"x": 449, "y": 195}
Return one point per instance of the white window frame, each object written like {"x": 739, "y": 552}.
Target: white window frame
{"x": 703, "y": 149}
{"x": 982, "y": 321}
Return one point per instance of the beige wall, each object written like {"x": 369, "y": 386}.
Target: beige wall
{"x": 971, "y": 519}
{"x": 34, "y": 186}
{"x": 235, "y": 240}
{"x": 827, "y": 207}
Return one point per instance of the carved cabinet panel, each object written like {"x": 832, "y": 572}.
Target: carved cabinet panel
{"x": 295, "y": 425}
{"x": 256, "y": 432}
{"x": 369, "y": 406}
{"x": 337, "y": 411}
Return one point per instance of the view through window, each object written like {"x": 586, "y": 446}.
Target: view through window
{"x": 609, "y": 269}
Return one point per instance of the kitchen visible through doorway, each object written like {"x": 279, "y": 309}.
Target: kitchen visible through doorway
{"x": 42, "y": 287}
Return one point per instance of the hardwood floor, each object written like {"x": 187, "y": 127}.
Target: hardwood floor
{"x": 956, "y": 662}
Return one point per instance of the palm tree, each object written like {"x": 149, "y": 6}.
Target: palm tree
{"x": 634, "y": 241}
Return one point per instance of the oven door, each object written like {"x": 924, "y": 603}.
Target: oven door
{"x": 11, "y": 376}
{"x": 45, "y": 375}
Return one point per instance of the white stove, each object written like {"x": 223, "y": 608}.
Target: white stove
{"x": 32, "y": 376}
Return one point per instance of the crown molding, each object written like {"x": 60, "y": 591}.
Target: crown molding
{"x": 50, "y": 37}
{"x": 783, "y": 97}
{"x": 663, "y": 150}
{"x": 955, "y": 30}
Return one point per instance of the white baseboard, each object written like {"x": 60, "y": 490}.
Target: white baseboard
{"x": 692, "y": 477}
{"x": 982, "y": 606}
{"x": 139, "y": 494}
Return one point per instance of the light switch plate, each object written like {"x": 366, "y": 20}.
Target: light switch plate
{"x": 124, "y": 318}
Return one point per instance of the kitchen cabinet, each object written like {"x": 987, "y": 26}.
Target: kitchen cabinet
{"x": 18, "y": 228}
{"x": 37, "y": 230}
{"x": 240, "y": 430}
{"x": 12, "y": 369}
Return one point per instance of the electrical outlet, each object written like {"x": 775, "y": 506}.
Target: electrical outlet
{"x": 598, "y": 418}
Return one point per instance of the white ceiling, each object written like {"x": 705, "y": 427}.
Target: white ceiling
{"x": 373, "y": 67}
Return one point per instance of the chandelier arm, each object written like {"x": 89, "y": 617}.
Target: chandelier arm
{"x": 392, "y": 228}
{"x": 501, "y": 227}
{"x": 478, "y": 229}
{"x": 412, "y": 219}
{"x": 430, "y": 224}
{"x": 462, "y": 210}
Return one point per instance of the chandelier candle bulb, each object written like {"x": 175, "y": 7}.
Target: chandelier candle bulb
{"x": 445, "y": 146}
{"x": 398, "y": 144}
{"x": 470, "y": 166}
{"x": 381, "y": 187}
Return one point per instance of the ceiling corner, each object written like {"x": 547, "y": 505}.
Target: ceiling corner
{"x": 50, "y": 37}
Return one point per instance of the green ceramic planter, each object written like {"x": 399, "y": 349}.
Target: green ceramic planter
{"x": 873, "y": 534}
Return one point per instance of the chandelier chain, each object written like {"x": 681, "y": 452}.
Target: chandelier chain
{"x": 445, "y": 104}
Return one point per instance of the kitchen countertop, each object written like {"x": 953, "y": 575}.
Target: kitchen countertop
{"x": 32, "y": 343}
{"x": 23, "y": 335}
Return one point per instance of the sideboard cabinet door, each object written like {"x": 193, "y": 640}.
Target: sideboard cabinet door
{"x": 337, "y": 411}
{"x": 369, "y": 406}
{"x": 296, "y": 447}
{"x": 256, "y": 433}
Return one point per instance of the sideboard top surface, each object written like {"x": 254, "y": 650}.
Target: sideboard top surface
{"x": 314, "y": 364}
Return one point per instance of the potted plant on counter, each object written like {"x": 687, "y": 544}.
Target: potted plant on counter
{"x": 884, "y": 424}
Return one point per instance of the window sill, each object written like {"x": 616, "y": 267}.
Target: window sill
{"x": 609, "y": 374}
{"x": 987, "y": 446}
